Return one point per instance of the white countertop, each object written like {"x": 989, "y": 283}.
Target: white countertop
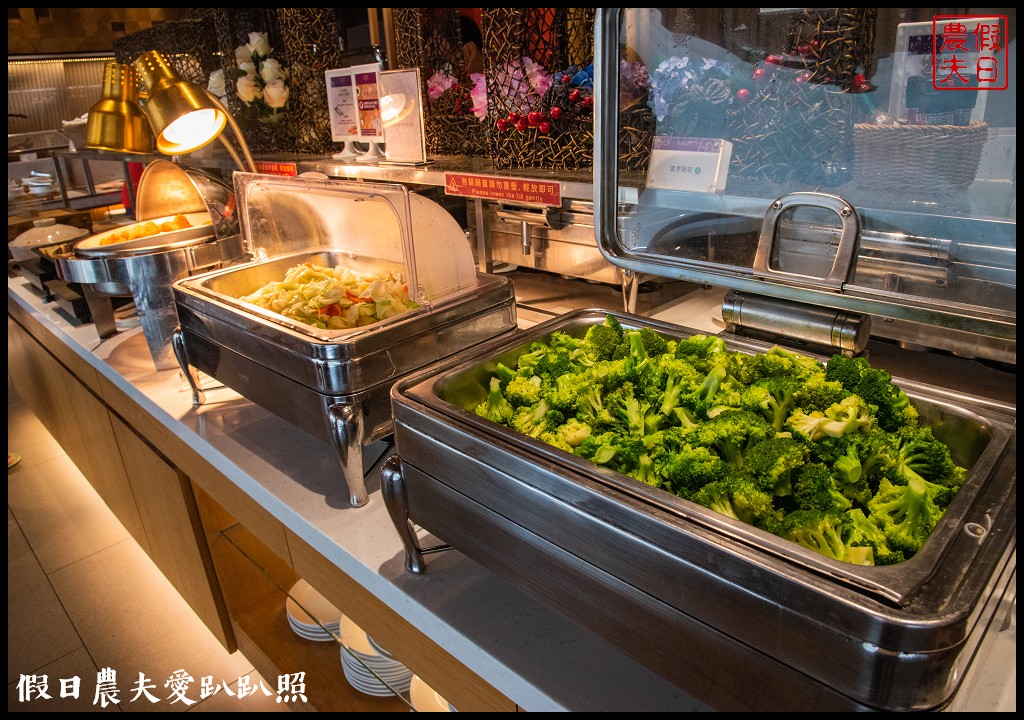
{"x": 538, "y": 659}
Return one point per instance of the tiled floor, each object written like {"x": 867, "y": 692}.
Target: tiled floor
{"x": 83, "y": 596}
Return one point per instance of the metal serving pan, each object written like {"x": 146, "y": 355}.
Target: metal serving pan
{"x": 332, "y": 384}
{"x": 739, "y": 617}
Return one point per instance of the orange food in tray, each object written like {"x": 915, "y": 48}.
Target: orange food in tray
{"x": 145, "y": 229}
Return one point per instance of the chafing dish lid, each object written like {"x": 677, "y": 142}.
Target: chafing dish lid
{"x": 281, "y": 215}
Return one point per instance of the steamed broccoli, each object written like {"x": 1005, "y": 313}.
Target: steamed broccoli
{"x": 772, "y": 462}
{"x": 689, "y": 468}
{"x": 892, "y": 406}
{"x": 861, "y": 532}
{"x": 495, "y": 407}
{"x": 522, "y": 390}
{"x": 601, "y": 340}
{"x": 907, "y": 514}
{"x": 778, "y": 439}
{"x": 536, "y": 420}
{"x": 772, "y": 397}
{"x": 627, "y": 409}
{"x": 731, "y": 433}
{"x": 822, "y": 532}
{"x": 702, "y": 351}
{"x": 739, "y": 498}
{"x": 850, "y": 415}
{"x": 918, "y": 454}
{"x": 565, "y": 391}
{"x": 814, "y": 488}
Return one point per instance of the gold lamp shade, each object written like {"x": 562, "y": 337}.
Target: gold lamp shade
{"x": 116, "y": 122}
{"x": 183, "y": 115}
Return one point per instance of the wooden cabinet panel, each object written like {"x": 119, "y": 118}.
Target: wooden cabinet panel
{"x": 77, "y": 420}
{"x": 173, "y": 529}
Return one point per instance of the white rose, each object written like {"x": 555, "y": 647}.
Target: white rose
{"x": 243, "y": 54}
{"x": 248, "y": 68}
{"x": 248, "y": 90}
{"x": 258, "y": 44}
{"x": 216, "y": 84}
{"x": 276, "y": 94}
{"x": 272, "y": 71}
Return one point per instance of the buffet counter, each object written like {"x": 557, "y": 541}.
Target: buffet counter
{"x": 258, "y": 484}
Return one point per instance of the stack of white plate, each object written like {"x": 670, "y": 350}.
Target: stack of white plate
{"x": 366, "y": 669}
{"x": 425, "y": 699}
{"x": 310, "y": 614}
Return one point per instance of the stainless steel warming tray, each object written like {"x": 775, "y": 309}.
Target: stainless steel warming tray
{"x": 144, "y": 266}
{"x": 334, "y": 384}
{"x": 738, "y": 617}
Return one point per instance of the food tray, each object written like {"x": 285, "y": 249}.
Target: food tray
{"x": 778, "y": 627}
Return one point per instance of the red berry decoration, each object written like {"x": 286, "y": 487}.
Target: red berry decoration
{"x": 566, "y": 79}
{"x": 775, "y": 59}
{"x": 742, "y": 95}
{"x": 814, "y": 45}
{"x": 502, "y": 124}
{"x": 522, "y": 124}
{"x": 574, "y": 96}
{"x": 534, "y": 118}
{"x": 805, "y": 49}
{"x": 513, "y": 117}
{"x": 858, "y": 80}
{"x": 544, "y": 127}
{"x": 556, "y": 112}
{"x": 803, "y": 77}
{"x": 760, "y": 74}
{"x": 588, "y": 102}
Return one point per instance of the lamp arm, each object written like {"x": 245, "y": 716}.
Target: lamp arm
{"x": 249, "y": 165}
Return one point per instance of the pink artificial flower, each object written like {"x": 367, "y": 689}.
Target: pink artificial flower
{"x": 479, "y": 95}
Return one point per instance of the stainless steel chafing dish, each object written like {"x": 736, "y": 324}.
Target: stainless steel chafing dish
{"x": 739, "y": 617}
{"x": 822, "y": 263}
{"x": 144, "y": 268}
{"x": 334, "y": 384}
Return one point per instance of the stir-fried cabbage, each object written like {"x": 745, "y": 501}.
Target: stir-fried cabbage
{"x": 335, "y": 298}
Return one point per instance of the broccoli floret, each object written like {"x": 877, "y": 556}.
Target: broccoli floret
{"x": 523, "y": 391}
{"x": 731, "y": 433}
{"x": 601, "y": 340}
{"x": 771, "y": 396}
{"x": 504, "y": 373}
{"x": 849, "y": 475}
{"x": 818, "y": 393}
{"x": 814, "y": 488}
{"x": 622, "y": 454}
{"x": 861, "y": 532}
{"x": 565, "y": 391}
{"x": 689, "y": 468}
{"x": 891, "y": 405}
{"x": 591, "y": 408}
{"x": 644, "y": 471}
{"x": 654, "y": 344}
{"x": 847, "y": 416}
{"x": 527, "y": 362}
{"x": 823, "y": 533}
{"x": 906, "y": 514}
{"x": 712, "y": 393}
{"x": 772, "y": 462}
{"x": 536, "y": 420}
{"x": 777, "y": 362}
{"x": 573, "y": 432}
{"x": 702, "y": 351}
{"x": 495, "y": 407}
{"x": 918, "y": 451}
{"x": 738, "y": 498}
{"x": 627, "y": 409}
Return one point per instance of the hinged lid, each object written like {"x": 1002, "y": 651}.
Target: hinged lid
{"x": 388, "y": 223}
{"x": 829, "y": 201}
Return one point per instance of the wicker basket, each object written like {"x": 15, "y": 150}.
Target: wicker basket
{"x": 917, "y": 160}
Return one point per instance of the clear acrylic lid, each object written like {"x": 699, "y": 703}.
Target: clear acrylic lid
{"x": 784, "y": 152}
{"x": 376, "y": 221}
